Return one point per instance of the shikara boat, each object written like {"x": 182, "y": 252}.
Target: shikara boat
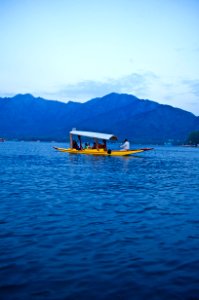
{"x": 98, "y": 148}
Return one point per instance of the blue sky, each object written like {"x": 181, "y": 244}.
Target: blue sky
{"x": 81, "y": 49}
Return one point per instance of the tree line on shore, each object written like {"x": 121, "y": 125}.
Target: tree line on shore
{"x": 193, "y": 138}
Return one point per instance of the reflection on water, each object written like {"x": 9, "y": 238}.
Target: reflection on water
{"x": 89, "y": 227}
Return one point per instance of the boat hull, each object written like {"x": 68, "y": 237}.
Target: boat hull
{"x": 102, "y": 152}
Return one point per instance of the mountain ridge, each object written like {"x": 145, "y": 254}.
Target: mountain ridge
{"x": 141, "y": 120}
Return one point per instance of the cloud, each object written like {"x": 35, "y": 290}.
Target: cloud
{"x": 172, "y": 91}
{"x": 5, "y": 94}
{"x": 193, "y": 86}
{"x": 182, "y": 93}
{"x": 137, "y": 84}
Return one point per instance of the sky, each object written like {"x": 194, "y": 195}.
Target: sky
{"x": 81, "y": 49}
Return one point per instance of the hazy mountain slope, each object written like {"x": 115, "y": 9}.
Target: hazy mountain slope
{"x": 161, "y": 124}
{"x": 26, "y": 116}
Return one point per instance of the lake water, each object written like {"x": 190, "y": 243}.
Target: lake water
{"x": 88, "y": 227}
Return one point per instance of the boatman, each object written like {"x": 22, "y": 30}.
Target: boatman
{"x": 125, "y": 145}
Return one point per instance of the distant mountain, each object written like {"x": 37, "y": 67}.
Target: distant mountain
{"x": 142, "y": 121}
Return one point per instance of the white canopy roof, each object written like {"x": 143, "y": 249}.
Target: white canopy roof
{"x": 97, "y": 135}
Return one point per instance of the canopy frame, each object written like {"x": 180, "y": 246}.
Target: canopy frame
{"x": 89, "y": 134}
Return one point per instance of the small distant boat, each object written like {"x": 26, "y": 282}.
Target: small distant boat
{"x": 98, "y": 149}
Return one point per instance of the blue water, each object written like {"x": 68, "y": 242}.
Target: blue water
{"x": 86, "y": 227}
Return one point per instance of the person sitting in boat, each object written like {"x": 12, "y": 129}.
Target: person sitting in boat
{"x": 125, "y": 145}
{"x": 80, "y": 143}
{"x": 87, "y": 146}
{"x": 75, "y": 145}
{"x": 94, "y": 145}
{"x": 102, "y": 146}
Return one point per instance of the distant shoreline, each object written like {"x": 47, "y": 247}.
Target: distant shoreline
{"x": 67, "y": 141}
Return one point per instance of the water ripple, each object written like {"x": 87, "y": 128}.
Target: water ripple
{"x": 83, "y": 227}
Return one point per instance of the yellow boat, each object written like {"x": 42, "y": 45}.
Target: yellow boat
{"x": 99, "y": 149}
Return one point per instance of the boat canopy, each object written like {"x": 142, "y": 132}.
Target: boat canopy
{"x": 97, "y": 135}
